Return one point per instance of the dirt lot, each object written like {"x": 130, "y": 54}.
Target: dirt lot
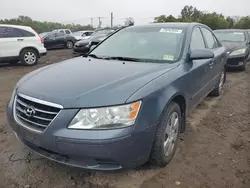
{"x": 214, "y": 152}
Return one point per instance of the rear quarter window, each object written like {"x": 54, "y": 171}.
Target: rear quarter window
{"x": 25, "y": 33}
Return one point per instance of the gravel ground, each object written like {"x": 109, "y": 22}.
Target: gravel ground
{"x": 214, "y": 152}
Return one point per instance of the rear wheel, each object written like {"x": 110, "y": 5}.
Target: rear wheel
{"x": 29, "y": 57}
{"x": 166, "y": 136}
{"x": 69, "y": 44}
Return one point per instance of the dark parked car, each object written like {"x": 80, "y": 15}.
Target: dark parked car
{"x": 125, "y": 103}
{"x": 58, "y": 40}
{"x": 237, "y": 43}
{"x": 83, "y": 46}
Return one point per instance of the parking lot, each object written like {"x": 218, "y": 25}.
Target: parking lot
{"x": 214, "y": 151}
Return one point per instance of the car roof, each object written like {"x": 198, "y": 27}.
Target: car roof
{"x": 169, "y": 24}
{"x": 16, "y": 26}
{"x": 242, "y": 30}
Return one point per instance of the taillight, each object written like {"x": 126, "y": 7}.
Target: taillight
{"x": 41, "y": 39}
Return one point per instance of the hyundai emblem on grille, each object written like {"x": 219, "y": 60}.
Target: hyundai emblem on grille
{"x": 29, "y": 111}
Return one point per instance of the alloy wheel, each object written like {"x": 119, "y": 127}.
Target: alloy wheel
{"x": 171, "y": 133}
{"x": 30, "y": 58}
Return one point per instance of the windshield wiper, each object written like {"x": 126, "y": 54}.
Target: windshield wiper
{"x": 94, "y": 56}
{"x": 120, "y": 58}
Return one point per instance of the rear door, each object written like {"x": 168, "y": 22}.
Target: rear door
{"x": 217, "y": 63}
{"x": 60, "y": 39}
{"x": 50, "y": 41}
{"x": 10, "y": 41}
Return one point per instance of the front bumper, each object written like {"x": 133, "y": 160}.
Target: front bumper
{"x": 80, "y": 49}
{"x": 97, "y": 150}
{"x": 236, "y": 61}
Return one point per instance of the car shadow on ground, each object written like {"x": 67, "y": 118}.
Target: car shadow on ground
{"x": 9, "y": 65}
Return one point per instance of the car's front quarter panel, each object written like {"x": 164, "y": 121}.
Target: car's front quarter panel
{"x": 158, "y": 93}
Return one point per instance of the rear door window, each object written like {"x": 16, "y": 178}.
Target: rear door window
{"x": 58, "y": 35}
{"x": 10, "y": 32}
{"x": 67, "y": 32}
{"x": 25, "y": 33}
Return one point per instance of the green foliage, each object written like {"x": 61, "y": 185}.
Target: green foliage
{"x": 44, "y": 26}
{"x": 243, "y": 23}
{"x": 213, "y": 20}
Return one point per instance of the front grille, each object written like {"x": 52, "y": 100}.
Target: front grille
{"x": 235, "y": 61}
{"x": 33, "y": 113}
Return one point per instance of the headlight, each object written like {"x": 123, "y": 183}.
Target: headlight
{"x": 238, "y": 52}
{"x": 107, "y": 117}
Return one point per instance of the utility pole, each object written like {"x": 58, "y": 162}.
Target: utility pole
{"x": 91, "y": 19}
{"x": 111, "y": 20}
{"x": 100, "y": 22}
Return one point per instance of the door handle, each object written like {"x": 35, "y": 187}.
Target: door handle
{"x": 211, "y": 63}
{"x": 19, "y": 39}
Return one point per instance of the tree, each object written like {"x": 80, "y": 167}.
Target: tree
{"x": 244, "y": 23}
{"x": 190, "y": 13}
{"x": 230, "y": 22}
{"x": 129, "y": 21}
{"x": 43, "y": 26}
{"x": 213, "y": 20}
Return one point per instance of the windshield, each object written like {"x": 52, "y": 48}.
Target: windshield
{"x": 152, "y": 44}
{"x": 233, "y": 36}
{"x": 101, "y": 33}
{"x": 43, "y": 34}
{"x": 79, "y": 33}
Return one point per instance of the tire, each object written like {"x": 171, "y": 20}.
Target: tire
{"x": 29, "y": 57}
{"x": 243, "y": 68}
{"x": 160, "y": 155}
{"x": 219, "y": 86}
{"x": 69, "y": 44}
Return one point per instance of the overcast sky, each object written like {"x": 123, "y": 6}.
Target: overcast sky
{"x": 143, "y": 11}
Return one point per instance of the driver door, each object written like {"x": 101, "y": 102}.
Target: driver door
{"x": 197, "y": 71}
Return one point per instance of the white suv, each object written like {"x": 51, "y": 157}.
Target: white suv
{"x": 20, "y": 43}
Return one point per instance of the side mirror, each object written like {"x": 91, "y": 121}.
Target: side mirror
{"x": 248, "y": 42}
{"x": 201, "y": 54}
{"x": 92, "y": 47}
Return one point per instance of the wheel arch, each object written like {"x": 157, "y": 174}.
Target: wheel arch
{"x": 180, "y": 99}
{"x": 29, "y": 47}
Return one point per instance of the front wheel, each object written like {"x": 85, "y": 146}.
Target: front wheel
{"x": 166, "y": 136}
{"x": 243, "y": 68}
{"x": 219, "y": 88}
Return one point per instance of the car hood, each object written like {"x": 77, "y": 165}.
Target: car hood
{"x": 82, "y": 42}
{"x": 231, "y": 46}
{"x": 87, "y": 82}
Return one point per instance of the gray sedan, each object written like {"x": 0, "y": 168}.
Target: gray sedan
{"x": 123, "y": 104}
